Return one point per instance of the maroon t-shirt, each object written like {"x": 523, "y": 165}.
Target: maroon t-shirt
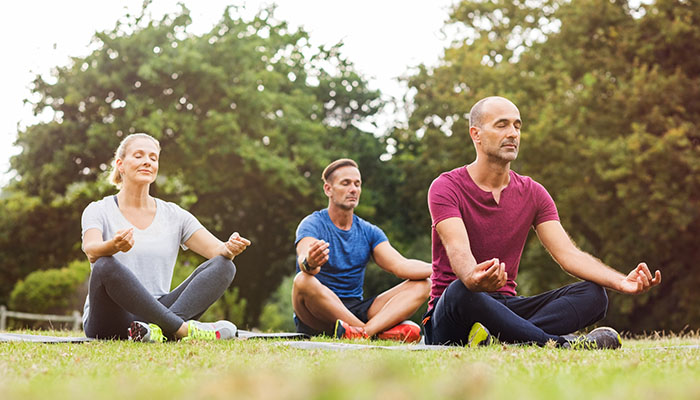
{"x": 495, "y": 230}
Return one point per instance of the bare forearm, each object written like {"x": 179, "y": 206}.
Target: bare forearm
{"x": 414, "y": 270}
{"x": 462, "y": 262}
{"x": 96, "y": 250}
{"x": 584, "y": 266}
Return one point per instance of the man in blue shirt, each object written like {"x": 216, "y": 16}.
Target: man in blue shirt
{"x": 333, "y": 247}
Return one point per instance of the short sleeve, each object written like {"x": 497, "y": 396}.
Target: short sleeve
{"x": 92, "y": 218}
{"x": 188, "y": 226}
{"x": 308, "y": 227}
{"x": 546, "y": 209}
{"x": 443, "y": 202}
{"x": 376, "y": 236}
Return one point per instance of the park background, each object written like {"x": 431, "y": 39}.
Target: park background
{"x": 250, "y": 111}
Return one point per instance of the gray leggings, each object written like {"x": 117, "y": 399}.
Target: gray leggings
{"x": 117, "y": 298}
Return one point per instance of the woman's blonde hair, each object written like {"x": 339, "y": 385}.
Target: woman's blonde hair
{"x": 115, "y": 177}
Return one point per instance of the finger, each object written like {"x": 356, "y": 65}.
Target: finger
{"x": 494, "y": 269}
{"x": 487, "y": 265}
{"x": 642, "y": 267}
{"x": 243, "y": 240}
{"x": 233, "y": 248}
{"x": 657, "y": 278}
{"x": 320, "y": 250}
{"x": 502, "y": 272}
{"x": 643, "y": 278}
{"x": 234, "y": 235}
{"x": 316, "y": 245}
{"x": 321, "y": 257}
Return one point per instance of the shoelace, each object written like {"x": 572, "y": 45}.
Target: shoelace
{"x": 195, "y": 332}
{"x": 156, "y": 333}
{"x": 582, "y": 343}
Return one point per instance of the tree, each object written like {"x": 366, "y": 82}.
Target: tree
{"x": 610, "y": 103}
{"x": 247, "y": 116}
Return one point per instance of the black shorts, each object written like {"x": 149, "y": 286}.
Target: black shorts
{"x": 356, "y": 306}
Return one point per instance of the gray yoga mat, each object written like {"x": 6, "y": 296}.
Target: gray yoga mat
{"x": 422, "y": 347}
{"x": 353, "y": 346}
{"x": 18, "y": 337}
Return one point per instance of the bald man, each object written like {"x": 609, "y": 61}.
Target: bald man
{"x": 481, "y": 216}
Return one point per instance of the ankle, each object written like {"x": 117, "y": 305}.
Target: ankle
{"x": 182, "y": 331}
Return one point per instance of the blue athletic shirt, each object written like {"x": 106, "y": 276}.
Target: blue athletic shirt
{"x": 344, "y": 273}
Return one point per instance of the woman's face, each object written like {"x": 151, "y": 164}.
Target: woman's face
{"x": 140, "y": 162}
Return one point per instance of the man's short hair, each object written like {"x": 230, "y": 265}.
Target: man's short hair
{"x": 340, "y": 163}
{"x": 476, "y": 114}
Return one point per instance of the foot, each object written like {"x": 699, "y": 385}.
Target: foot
{"x": 407, "y": 332}
{"x": 219, "y": 330}
{"x": 479, "y": 336}
{"x": 599, "y": 338}
{"x": 143, "y": 332}
{"x": 343, "y": 330}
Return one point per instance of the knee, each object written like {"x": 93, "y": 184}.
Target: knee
{"x": 596, "y": 298}
{"x": 597, "y": 294}
{"x": 105, "y": 266}
{"x": 304, "y": 284}
{"x": 421, "y": 287}
{"x": 458, "y": 296}
{"x": 225, "y": 267}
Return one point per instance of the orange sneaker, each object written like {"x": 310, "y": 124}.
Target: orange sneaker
{"x": 343, "y": 330}
{"x": 407, "y": 332}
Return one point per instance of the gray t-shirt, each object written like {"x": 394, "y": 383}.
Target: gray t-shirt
{"x": 152, "y": 258}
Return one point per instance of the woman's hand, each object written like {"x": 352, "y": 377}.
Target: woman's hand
{"x": 123, "y": 240}
{"x": 234, "y": 246}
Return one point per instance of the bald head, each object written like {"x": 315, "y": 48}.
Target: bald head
{"x": 479, "y": 110}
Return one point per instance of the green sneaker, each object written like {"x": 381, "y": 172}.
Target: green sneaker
{"x": 219, "y": 330}
{"x": 479, "y": 336}
{"x": 143, "y": 332}
{"x": 599, "y": 338}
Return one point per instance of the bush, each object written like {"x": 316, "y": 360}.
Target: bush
{"x": 52, "y": 291}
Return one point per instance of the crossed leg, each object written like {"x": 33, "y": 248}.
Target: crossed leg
{"x": 318, "y": 307}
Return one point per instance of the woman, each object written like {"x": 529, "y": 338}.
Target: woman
{"x": 131, "y": 240}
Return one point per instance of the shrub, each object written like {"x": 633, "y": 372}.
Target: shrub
{"x": 53, "y": 291}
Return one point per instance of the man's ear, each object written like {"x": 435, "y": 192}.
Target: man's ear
{"x": 475, "y": 134}
{"x": 327, "y": 189}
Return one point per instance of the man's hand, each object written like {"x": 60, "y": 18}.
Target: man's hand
{"x": 234, "y": 246}
{"x": 488, "y": 276}
{"x": 318, "y": 254}
{"x": 640, "y": 280}
{"x": 123, "y": 240}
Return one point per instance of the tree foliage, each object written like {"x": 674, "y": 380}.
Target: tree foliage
{"x": 610, "y": 98}
{"x": 247, "y": 116}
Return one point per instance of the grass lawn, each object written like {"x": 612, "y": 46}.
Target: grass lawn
{"x": 257, "y": 369}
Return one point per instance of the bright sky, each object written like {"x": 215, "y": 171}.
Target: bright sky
{"x": 384, "y": 38}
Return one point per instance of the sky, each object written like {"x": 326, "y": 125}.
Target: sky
{"x": 384, "y": 38}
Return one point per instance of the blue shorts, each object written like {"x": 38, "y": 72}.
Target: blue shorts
{"x": 357, "y": 307}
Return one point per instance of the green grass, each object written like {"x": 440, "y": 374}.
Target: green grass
{"x": 257, "y": 369}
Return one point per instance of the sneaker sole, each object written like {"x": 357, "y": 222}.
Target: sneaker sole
{"x": 137, "y": 332}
